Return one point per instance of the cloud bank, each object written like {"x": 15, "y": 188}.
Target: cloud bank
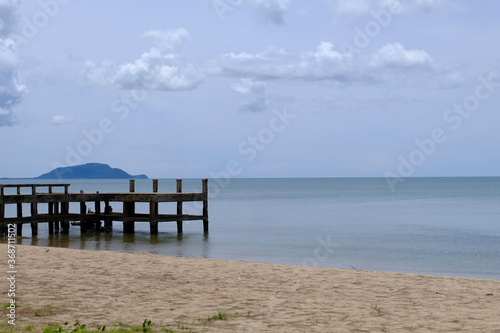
{"x": 269, "y": 11}
{"x": 160, "y": 68}
{"x": 326, "y": 63}
{"x": 272, "y": 11}
{"x": 358, "y": 8}
{"x": 61, "y": 120}
{"x": 254, "y": 94}
{"x": 11, "y": 88}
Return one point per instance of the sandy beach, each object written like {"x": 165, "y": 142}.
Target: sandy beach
{"x": 106, "y": 288}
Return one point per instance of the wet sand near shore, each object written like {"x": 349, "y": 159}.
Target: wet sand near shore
{"x": 105, "y": 288}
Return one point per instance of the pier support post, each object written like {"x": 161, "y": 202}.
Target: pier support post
{"x": 65, "y": 227}
{"x": 19, "y": 227}
{"x": 153, "y": 227}
{"x": 108, "y": 222}
{"x": 51, "y": 214}
{"x": 128, "y": 227}
{"x": 2, "y": 205}
{"x": 19, "y": 205}
{"x": 50, "y": 210}
{"x": 128, "y": 211}
{"x": 97, "y": 220}
{"x": 179, "y": 207}
{"x": 34, "y": 229}
{"x": 204, "y": 190}
{"x": 155, "y": 190}
{"x": 153, "y": 211}
{"x": 34, "y": 211}
{"x": 65, "y": 211}
{"x": 56, "y": 212}
{"x": 84, "y": 223}
{"x": 2, "y": 213}
{"x": 19, "y": 209}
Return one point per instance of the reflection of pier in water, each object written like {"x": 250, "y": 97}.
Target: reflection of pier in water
{"x": 187, "y": 244}
{"x": 58, "y": 214}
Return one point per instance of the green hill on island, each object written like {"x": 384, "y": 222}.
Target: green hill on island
{"x": 89, "y": 171}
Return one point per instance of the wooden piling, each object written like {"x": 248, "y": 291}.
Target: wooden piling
{"x": 34, "y": 211}
{"x": 204, "y": 190}
{"x": 153, "y": 223}
{"x": 50, "y": 210}
{"x": 34, "y": 229}
{"x": 65, "y": 227}
{"x": 19, "y": 204}
{"x": 179, "y": 207}
{"x": 128, "y": 212}
{"x": 84, "y": 223}
{"x": 97, "y": 215}
{"x": 56, "y": 222}
{"x": 65, "y": 211}
{"x": 2, "y": 214}
{"x": 153, "y": 211}
{"x": 108, "y": 222}
{"x": 2, "y": 206}
{"x": 19, "y": 213}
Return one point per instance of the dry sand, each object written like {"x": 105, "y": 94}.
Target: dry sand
{"x": 108, "y": 287}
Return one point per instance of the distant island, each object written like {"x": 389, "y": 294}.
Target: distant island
{"x": 89, "y": 171}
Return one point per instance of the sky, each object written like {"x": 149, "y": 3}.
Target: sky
{"x": 251, "y": 88}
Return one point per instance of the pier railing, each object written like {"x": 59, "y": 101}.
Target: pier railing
{"x": 59, "y": 216}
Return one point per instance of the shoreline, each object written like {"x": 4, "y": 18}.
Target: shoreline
{"x": 104, "y": 287}
{"x": 69, "y": 244}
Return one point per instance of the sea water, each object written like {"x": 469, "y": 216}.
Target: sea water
{"x": 441, "y": 226}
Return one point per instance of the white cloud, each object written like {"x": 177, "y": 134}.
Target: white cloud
{"x": 269, "y": 11}
{"x": 325, "y": 53}
{"x": 395, "y": 55}
{"x": 244, "y": 56}
{"x": 60, "y": 120}
{"x": 154, "y": 71}
{"x": 159, "y": 68}
{"x": 171, "y": 41}
{"x": 451, "y": 79}
{"x": 433, "y": 5}
{"x": 8, "y": 16}
{"x": 358, "y": 8}
{"x": 254, "y": 93}
{"x": 390, "y": 63}
{"x": 324, "y": 63}
{"x": 351, "y": 8}
{"x": 272, "y": 10}
{"x": 11, "y": 88}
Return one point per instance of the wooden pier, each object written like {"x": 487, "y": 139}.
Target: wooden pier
{"x": 59, "y": 217}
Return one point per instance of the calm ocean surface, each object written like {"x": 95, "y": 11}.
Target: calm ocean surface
{"x": 441, "y": 226}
